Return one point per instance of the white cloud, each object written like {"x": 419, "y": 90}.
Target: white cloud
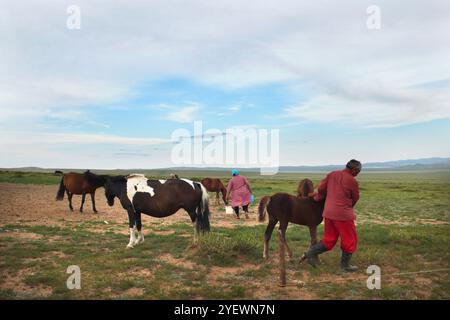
{"x": 183, "y": 114}
{"x": 374, "y": 107}
{"x": 44, "y": 138}
{"x": 235, "y": 108}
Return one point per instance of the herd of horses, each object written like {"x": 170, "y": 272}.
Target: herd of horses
{"x": 161, "y": 198}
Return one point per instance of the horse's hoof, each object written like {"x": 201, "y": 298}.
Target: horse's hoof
{"x": 130, "y": 246}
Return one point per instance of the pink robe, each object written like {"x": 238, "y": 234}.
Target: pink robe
{"x": 239, "y": 189}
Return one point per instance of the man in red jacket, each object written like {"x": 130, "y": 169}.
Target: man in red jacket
{"x": 341, "y": 192}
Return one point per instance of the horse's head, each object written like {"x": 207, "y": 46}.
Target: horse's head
{"x": 110, "y": 196}
{"x": 305, "y": 188}
{"x": 113, "y": 186}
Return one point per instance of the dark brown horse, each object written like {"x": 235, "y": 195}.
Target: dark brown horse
{"x": 80, "y": 183}
{"x": 215, "y": 185}
{"x": 285, "y": 208}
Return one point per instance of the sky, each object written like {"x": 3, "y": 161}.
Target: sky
{"x": 111, "y": 93}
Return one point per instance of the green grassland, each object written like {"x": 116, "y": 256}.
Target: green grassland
{"x": 403, "y": 227}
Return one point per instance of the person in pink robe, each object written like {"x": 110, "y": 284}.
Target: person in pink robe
{"x": 240, "y": 191}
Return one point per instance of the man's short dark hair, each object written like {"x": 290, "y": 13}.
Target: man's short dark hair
{"x": 354, "y": 164}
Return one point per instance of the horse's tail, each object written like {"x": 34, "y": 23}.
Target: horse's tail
{"x": 61, "y": 190}
{"x": 262, "y": 208}
{"x": 59, "y": 172}
{"x": 203, "y": 210}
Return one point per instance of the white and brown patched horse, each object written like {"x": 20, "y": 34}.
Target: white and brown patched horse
{"x": 158, "y": 198}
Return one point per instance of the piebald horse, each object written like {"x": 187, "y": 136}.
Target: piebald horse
{"x": 285, "y": 208}
{"x": 79, "y": 183}
{"x": 158, "y": 198}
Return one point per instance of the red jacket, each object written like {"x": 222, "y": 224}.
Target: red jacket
{"x": 341, "y": 192}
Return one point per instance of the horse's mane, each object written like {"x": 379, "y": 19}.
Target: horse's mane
{"x": 173, "y": 176}
{"x": 135, "y": 175}
{"x": 95, "y": 179}
{"x": 305, "y": 188}
{"x": 118, "y": 179}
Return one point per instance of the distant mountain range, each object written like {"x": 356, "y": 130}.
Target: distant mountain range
{"x": 409, "y": 164}
{"x": 397, "y": 165}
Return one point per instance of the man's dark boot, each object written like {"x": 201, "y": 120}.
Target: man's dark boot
{"x": 313, "y": 252}
{"x": 345, "y": 262}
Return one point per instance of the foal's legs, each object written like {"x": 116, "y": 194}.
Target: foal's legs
{"x": 140, "y": 238}
{"x": 83, "y": 197}
{"x": 132, "y": 222}
{"x": 217, "y": 198}
{"x": 283, "y": 227}
{"x": 313, "y": 234}
{"x": 69, "y": 196}
{"x": 267, "y": 235}
{"x": 93, "y": 201}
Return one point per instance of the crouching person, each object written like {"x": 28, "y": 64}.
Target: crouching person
{"x": 341, "y": 192}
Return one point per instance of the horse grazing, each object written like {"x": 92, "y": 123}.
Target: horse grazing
{"x": 285, "y": 208}
{"x": 215, "y": 185}
{"x": 79, "y": 183}
{"x": 158, "y": 198}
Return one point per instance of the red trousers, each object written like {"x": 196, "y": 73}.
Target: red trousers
{"x": 345, "y": 229}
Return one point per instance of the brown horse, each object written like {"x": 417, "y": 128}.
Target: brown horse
{"x": 215, "y": 185}
{"x": 285, "y": 208}
{"x": 80, "y": 183}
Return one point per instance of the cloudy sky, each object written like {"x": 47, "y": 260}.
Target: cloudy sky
{"x": 110, "y": 94}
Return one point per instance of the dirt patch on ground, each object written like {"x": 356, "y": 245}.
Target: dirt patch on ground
{"x": 431, "y": 221}
{"x": 164, "y": 233}
{"x": 168, "y": 258}
{"x": 14, "y": 283}
{"x": 220, "y": 274}
{"x": 132, "y": 292}
{"x": 139, "y": 272}
{"x": 20, "y": 235}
